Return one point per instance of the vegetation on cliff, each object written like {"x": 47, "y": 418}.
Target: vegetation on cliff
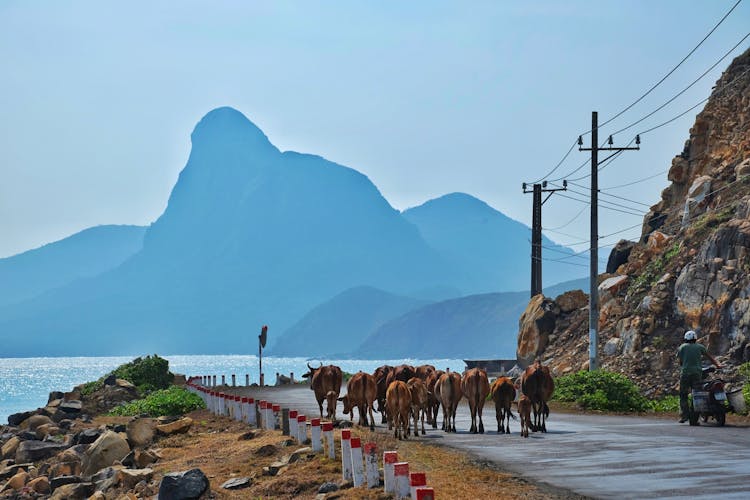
{"x": 172, "y": 401}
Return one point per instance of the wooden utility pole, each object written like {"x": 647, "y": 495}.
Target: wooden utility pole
{"x": 536, "y": 232}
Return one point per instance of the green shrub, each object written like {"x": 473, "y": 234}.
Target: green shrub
{"x": 148, "y": 374}
{"x": 172, "y": 401}
{"x": 667, "y": 404}
{"x": 600, "y": 390}
{"x": 744, "y": 371}
{"x": 91, "y": 387}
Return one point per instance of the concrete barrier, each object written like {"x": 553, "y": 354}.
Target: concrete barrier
{"x": 358, "y": 468}
{"x": 371, "y": 465}
{"x": 293, "y": 424}
{"x": 346, "y": 454}
{"x": 302, "y": 429}
{"x": 276, "y": 410}
{"x": 389, "y": 479}
{"x": 328, "y": 434}
{"x": 315, "y": 438}
{"x": 401, "y": 472}
{"x": 424, "y": 493}
{"x": 416, "y": 480}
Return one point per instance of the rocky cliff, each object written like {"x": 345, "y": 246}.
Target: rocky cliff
{"x": 689, "y": 270}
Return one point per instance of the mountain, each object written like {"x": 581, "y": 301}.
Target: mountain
{"x": 341, "y": 324}
{"x": 484, "y": 326}
{"x": 84, "y": 254}
{"x": 250, "y": 236}
{"x": 487, "y": 249}
{"x": 689, "y": 270}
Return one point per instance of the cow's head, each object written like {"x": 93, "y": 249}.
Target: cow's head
{"x": 347, "y": 403}
{"x": 311, "y": 371}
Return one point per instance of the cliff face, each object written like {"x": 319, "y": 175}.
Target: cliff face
{"x": 690, "y": 269}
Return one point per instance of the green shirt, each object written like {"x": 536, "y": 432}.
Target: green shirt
{"x": 690, "y": 356}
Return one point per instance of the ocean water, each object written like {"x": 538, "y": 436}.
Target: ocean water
{"x": 25, "y": 383}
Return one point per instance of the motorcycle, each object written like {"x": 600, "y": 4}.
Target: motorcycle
{"x": 709, "y": 399}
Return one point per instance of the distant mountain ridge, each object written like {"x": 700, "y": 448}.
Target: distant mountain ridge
{"x": 251, "y": 236}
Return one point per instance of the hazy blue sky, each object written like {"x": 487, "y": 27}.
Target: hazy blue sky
{"x": 98, "y": 99}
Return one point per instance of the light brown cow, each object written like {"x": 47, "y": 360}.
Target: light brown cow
{"x": 323, "y": 380}
{"x": 503, "y": 393}
{"x": 448, "y": 392}
{"x": 398, "y": 401}
{"x": 423, "y": 371}
{"x": 538, "y": 385}
{"x": 476, "y": 387}
{"x": 361, "y": 391}
{"x": 381, "y": 378}
{"x": 524, "y": 413}
{"x": 433, "y": 403}
{"x": 419, "y": 401}
{"x": 402, "y": 373}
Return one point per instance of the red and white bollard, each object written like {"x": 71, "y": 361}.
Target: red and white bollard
{"x": 293, "y": 424}
{"x": 401, "y": 471}
{"x": 371, "y": 465}
{"x": 251, "y": 417}
{"x": 416, "y": 480}
{"x": 238, "y": 408}
{"x": 328, "y": 434}
{"x": 346, "y": 454}
{"x": 358, "y": 469}
{"x": 301, "y": 429}
{"x": 317, "y": 442}
{"x": 389, "y": 479}
{"x": 424, "y": 493}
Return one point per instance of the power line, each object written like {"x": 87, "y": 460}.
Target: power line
{"x": 554, "y": 229}
{"x": 638, "y": 180}
{"x": 612, "y": 195}
{"x": 683, "y": 90}
{"x": 604, "y": 206}
{"x": 558, "y": 164}
{"x": 673, "y": 69}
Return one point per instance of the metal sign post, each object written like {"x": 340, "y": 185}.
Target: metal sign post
{"x": 261, "y": 344}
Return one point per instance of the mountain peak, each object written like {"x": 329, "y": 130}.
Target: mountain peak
{"x": 226, "y": 126}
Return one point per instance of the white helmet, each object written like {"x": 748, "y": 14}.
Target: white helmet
{"x": 690, "y": 335}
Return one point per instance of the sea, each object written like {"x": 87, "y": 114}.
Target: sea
{"x": 25, "y": 383}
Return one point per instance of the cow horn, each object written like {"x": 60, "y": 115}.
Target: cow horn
{"x": 310, "y": 367}
{"x": 321, "y": 365}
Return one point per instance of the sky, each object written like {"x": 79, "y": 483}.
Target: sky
{"x": 98, "y": 99}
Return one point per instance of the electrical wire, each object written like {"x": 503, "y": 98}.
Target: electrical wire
{"x": 558, "y": 163}
{"x": 601, "y": 191}
{"x": 638, "y": 180}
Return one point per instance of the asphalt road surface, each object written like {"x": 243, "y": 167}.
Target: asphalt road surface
{"x": 592, "y": 455}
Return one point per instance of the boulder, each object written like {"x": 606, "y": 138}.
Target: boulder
{"x": 140, "y": 432}
{"x": 328, "y": 487}
{"x": 70, "y": 407}
{"x": 107, "y": 449}
{"x": 610, "y": 287}
{"x": 571, "y": 300}
{"x": 11, "y": 470}
{"x": 53, "y": 396}
{"x": 183, "y": 485}
{"x": 87, "y": 436}
{"x": 180, "y": 426}
{"x": 40, "y": 485}
{"x": 619, "y": 255}
{"x": 17, "y": 482}
{"x": 535, "y": 325}
{"x": 46, "y": 430}
{"x": 743, "y": 169}
{"x": 696, "y": 200}
{"x": 35, "y": 421}
{"x": 237, "y": 483}
{"x": 16, "y": 418}
{"x": 143, "y": 458}
{"x": 612, "y": 347}
{"x": 9, "y": 447}
{"x": 106, "y": 479}
{"x": 33, "y": 451}
{"x": 128, "y": 478}
{"x": 75, "y": 491}
{"x": 58, "y": 481}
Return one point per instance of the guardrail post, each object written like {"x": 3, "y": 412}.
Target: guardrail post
{"x": 223, "y": 380}
{"x": 371, "y": 465}
{"x": 247, "y": 380}
{"x": 234, "y": 380}
{"x": 416, "y": 480}
{"x": 328, "y": 433}
{"x": 346, "y": 454}
{"x": 425, "y": 493}
{"x": 389, "y": 478}
{"x": 302, "y": 428}
{"x": 252, "y": 415}
{"x": 401, "y": 471}
{"x": 358, "y": 470}
{"x": 317, "y": 443}
{"x": 275, "y": 409}
{"x": 285, "y": 421}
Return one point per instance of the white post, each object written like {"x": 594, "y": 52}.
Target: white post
{"x": 234, "y": 380}
{"x": 358, "y": 469}
{"x": 270, "y": 423}
{"x": 371, "y": 465}
{"x": 214, "y": 381}
{"x": 262, "y": 414}
{"x": 317, "y": 443}
{"x": 293, "y": 424}
{"x": 401, "y": 471}
{"x": 346, "y": 454}
{"x": 238, "y": 408}
{"x": 389, "y": 479}
{"x": 416, "y": 480}
{"x": 302, "y": 428}
{"x": 328, "y": 433}
{"x": 247, "y": 380}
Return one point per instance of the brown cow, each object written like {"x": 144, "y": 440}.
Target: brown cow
{"x": 524, "y": 413}
{"x": 381, "y": 379}
{"x": 433, "y": 403}
{"x": 361, "y": 391}
{"x": 419, "y": 401}
{"x": 538, "y": 385}
{"x": 402, "y": 373}
{"x": 503, "y": 393}
{"x": 423, "y": 371}
{"x": 323, "y": 380}
{"x": 476, "y": 387}
{"x": 398, "y": 401}
{"x": 448, "y": 392}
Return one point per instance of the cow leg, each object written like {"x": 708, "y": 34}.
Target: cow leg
{"x": 372, "y": 419}
{"x": 415, "y": 414}
{"x": 423, "y": 432}
{"x": 481, "y": 424}
{"x": 320, "y": 405}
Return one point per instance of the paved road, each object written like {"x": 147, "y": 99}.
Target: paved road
{"x": 597, "y": 456}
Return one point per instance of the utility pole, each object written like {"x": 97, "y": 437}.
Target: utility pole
{"x": 594, "y": 237}
{"x": 536, "y": 231}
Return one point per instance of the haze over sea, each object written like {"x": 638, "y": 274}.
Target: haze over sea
{"x": 25, "y": 383}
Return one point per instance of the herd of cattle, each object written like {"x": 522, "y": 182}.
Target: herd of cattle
{"x": 405, "y": 392}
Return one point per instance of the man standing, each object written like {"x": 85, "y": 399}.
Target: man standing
{"x": 690, "y": 354}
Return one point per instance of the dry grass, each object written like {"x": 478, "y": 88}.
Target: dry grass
{"x": 214, "y": 446}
